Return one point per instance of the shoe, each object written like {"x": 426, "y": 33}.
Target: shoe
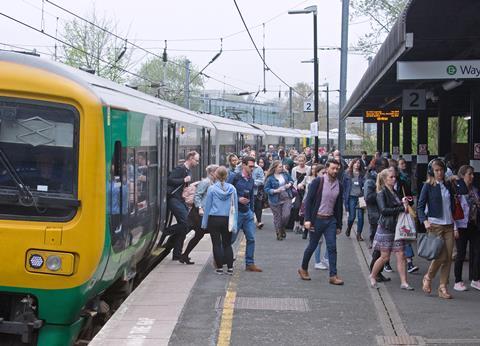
{"x": 229, "y": 271}
{"x": 305, "y": 233}
{"x": 348, "y": 231}
{"x": 381, "y": 278}
{"x": 253, "y": 268}
{"x": 369, "y": 246}
{"x": 321, "y": 266}
{"x": 443, "y": 293}
{"x": 335, "y": 280}
{"x": 219, "y": 271}
{"x": 260, "y": 225}
{"x": 304, "y": 274}
{"x": 406, "y": 287}
{"x": 185, "y": 260}
{"x": 411, "y": 268}
{"x": 373, "y": 282}
{"x": 387, "y": 268}
{"x": 283, "y": 234}
{"x": 427, "y": 284}
{"x": 359, "y": 237}
{"x": 460, "y": 286}
{"x": 475, "y": 284}
{"x": 176, "y": 258}
{"x": 279, "y": 237}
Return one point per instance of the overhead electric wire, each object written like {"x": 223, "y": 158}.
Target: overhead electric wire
{"x": 259, "y": 54}
{"x": 76, "y": 48}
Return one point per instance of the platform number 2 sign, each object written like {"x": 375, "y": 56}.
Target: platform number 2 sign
{"x": 413, "y": 100}
{"x": 308, "y": 106}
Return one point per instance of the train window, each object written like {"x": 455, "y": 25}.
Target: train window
{"x": 141, "y": 176}
{"x": 39, "y": 150}
{"x": 118, "y": 191}
{"x": 131, "y": 180}
{"x": 152, "y": 177}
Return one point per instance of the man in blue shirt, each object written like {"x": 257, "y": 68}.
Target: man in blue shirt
{"x": 244, "y": 184}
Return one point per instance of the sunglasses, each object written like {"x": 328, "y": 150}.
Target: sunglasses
{"x": 250, "y": 166}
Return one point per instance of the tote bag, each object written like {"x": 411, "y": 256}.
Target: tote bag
{"x": 232, "y": 217}
{"x": 405, "y": 228}
{"x": 362, "y": 204}
{"x": 429, "y": 245}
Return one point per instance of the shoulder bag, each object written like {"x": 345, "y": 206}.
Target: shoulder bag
{"x": 429, "y": 245}
{"x": 405, "y": 228}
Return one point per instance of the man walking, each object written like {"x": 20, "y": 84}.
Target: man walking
{"x": 244, "y": 184}
{"x": 177, "y": 179}
{"x": 324, "y": 208}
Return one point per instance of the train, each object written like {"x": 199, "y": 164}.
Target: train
{"x": 83, "y": 162}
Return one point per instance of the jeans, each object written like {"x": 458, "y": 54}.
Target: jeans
{"x": 247, "y": 224}
{"x": 327, "y": 228}
{"x": 221, "y": 240}
{"x": 180, "y": 229}
{"x": 354, "y": 211}
{"x": 318, "y": 257}
{"x": 408, "y": 251}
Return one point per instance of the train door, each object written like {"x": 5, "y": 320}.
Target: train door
{"x": 162, "y": 147}
{"x": 209, "y": 146}
{"x": 171, "y": 147}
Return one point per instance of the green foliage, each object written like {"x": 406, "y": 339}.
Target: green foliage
{"x": 88, "y": 45}
{"x": 171, "y": 78}
{"x": 381, "y": 15}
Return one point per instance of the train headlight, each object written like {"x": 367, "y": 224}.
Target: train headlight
{"x": 36, "y": 261}
{"x": 50, "y": 262}
{"x": 54, "y": 263}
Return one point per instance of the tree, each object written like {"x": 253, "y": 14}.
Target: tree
{"x": 382, "y": 15}
{"x": 170, "y": 77}
{"x": 93, "y": 48}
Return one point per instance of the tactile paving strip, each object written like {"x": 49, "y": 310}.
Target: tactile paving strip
{"x": 267, "y": 303}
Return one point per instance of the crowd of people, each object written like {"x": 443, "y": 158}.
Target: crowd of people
{"x": 310, "y": 197}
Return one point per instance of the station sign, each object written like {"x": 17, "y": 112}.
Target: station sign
{"x": 308, "y": 106}
{"x": 381, "y": 116}
{"x": 448, "y": 69}
{"x": 414, "y": 100}
{"x": 314, "y": 129}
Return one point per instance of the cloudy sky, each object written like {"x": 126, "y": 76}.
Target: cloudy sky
{"x": 193, "y": 28}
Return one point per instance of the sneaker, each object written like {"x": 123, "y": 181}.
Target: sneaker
{"x": 475, "y": 284}
{"x": 388, "y": 268}
{"x": 229, "y": 271}
{"x": 321, "y": 266}
{"x": 459, "y": 286}
{"x": 219, "y": 271}
{"x": 411, "y": 268}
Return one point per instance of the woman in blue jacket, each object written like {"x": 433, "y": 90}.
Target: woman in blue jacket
{"x": 278, "y": 187}
{"x": 220, "y": 205}
{"x": 435, "y": 211}
{"x": 353, "y": 181}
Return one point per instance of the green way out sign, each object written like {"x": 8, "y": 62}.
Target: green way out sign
{"x": 448, "y": 69}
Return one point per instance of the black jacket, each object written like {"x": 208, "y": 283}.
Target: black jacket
{"x": 175, "y": 181}
{"x": 370, "y": 193}
{"x": 389, "y": 209}
{"x": 314, "y": 198}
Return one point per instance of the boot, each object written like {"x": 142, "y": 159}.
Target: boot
{"x": 349, "y": 229}
{"x": 283, "y": 234}
{"x": 279, "y": 237}
{"x": 305, "y": 233}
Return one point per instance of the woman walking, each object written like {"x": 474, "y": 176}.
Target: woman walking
{"x": 196, "y": 213}
{"x": 353, "y": 189}
{"x": 221, "y": 199}
{"x": 278, "y": 184}
{"x": 437, "y": 197}
{"x": 258, "y": 176}
{"x": 389, "y": 206}
{"x": 467, "y": 229}
{"x": 299, "y": 175}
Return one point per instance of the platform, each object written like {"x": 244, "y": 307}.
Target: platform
{"x": 192, "y": 305}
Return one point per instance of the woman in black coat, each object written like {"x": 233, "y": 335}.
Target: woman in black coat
{"x": 389, "y": 206}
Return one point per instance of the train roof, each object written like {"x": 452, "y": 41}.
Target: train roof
{"x": 279, "y": 131}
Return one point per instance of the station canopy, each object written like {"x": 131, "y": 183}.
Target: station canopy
{"x": 426, "y": 31}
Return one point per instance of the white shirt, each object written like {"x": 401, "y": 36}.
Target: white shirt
{"x": 281, "y": 179}
{"x": 447, "y": 211}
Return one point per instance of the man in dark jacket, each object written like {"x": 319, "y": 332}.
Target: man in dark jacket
{"x": 244, "y": 184}
{"x": 324, "y": 207}
{"x": 177, "y": 179}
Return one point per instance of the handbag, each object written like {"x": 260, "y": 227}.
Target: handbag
{"x": 232, "y": 217}
{"x": 362, "y": 204}
{"x": 429, "y": 245}
{"x": 405, "y": 228}
{"x": 457, "y": 207}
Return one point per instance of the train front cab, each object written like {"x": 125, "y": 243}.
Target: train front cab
{"x": 50, "y": 248}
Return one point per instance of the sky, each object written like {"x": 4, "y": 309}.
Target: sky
{"x": 193, "y": 28}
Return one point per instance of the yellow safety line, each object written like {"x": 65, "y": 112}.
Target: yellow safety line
{"x": 226, "y": 324}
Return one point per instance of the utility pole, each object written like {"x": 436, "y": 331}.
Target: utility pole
{"x": 290, "y": 99}
{"x": 343, "y": 75}
{"x": 315, "y": 78}
{"x": 187, "y": 84}
{"x": 328, "y": 118}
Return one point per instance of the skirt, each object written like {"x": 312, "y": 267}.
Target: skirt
{"x": 384, "y": 241}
